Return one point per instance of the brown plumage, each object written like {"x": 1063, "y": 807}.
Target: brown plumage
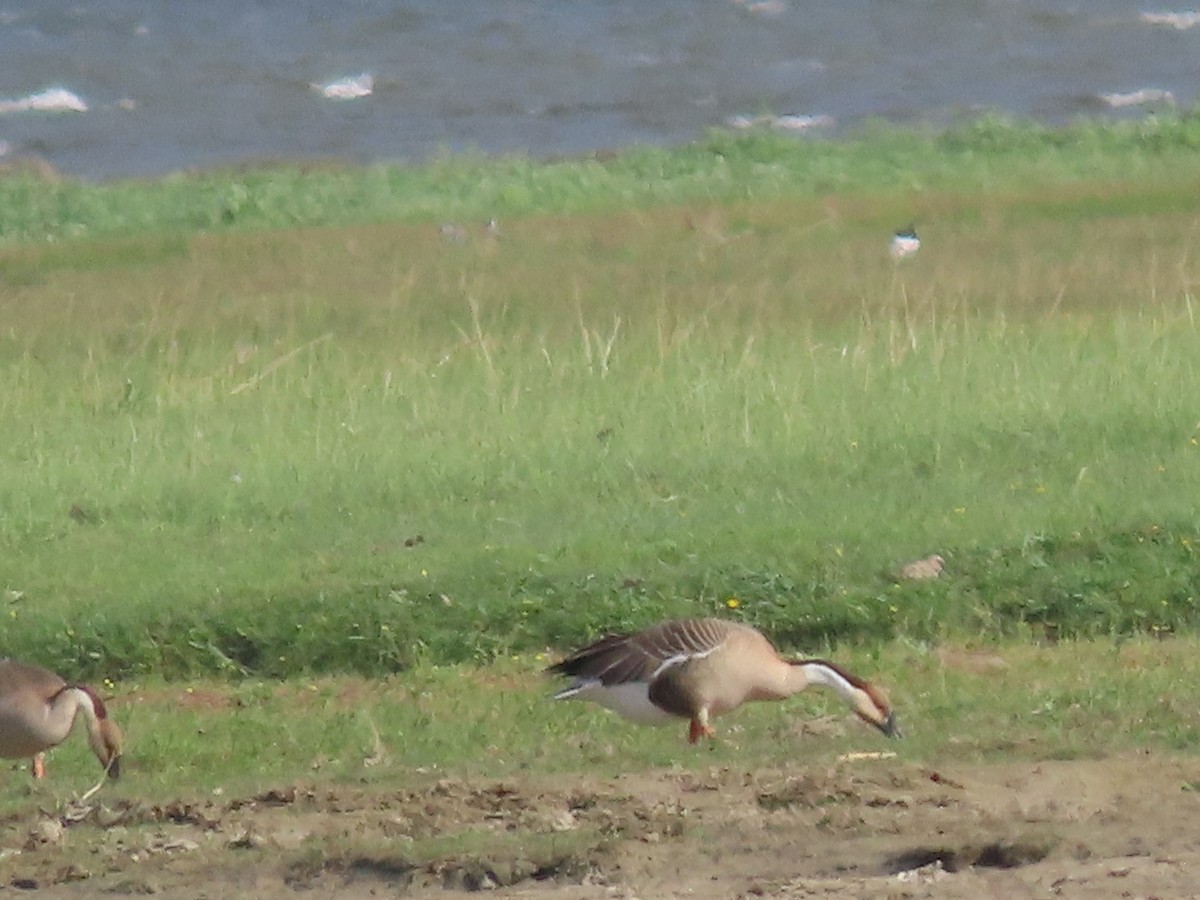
{"x": 700, "y": 668}
{"x": 37, "y": 710}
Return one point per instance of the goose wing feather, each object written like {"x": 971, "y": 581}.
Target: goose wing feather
{"x": 645, "y": 655}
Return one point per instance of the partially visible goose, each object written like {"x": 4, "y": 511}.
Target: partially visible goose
{"x": 696, "y": 669}
{"x": 37, "y": 710}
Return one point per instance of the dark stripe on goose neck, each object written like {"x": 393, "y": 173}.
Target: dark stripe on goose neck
{"x": 97, "y": 703}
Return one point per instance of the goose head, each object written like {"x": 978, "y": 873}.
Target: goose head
{"x": 872, "y": 707}
{"x": 867, "y": 701}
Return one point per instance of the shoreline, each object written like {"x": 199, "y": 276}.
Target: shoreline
{"x": 988, "y": 153}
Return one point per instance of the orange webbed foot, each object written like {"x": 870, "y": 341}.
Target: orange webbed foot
{"x": 39, "y": 767}
{"x": 697, "y": 730}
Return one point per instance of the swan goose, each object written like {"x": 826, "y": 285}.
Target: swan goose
{"x": 697, "y": 669}
{"x": 37, "y": 710}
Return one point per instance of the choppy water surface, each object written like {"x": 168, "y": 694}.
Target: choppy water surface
{"x": 175, "y": 85}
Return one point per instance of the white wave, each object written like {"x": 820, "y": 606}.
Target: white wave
{"x": 782, "y": 123}
{"x": 762, "y": 7}
{"x": 1138, "y": 98}
{"x": 1180, "y": 21}
{"x": 350, "y": 88}
{"x": 54, "y": 99}
{"x": 803, "y": 123}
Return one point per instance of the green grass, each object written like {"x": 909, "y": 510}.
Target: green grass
{"x": 962, "y": 704}
{"x": 984, "y": 154}
{"x": 358, "y": 448}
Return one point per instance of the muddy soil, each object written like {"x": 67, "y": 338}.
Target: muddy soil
{"x": 868, "y": 827}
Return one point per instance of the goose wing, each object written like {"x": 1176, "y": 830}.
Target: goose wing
{"x": 24, "y": 683}
{"x": 642, "y": 656}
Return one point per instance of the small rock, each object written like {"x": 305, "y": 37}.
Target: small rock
{"x": 923, "y": 569}
{"x": 934, "y": 871}
{"x": 247, "y": 839}
{"x": 47, "y": 831}
{"x": 564, "y": 820}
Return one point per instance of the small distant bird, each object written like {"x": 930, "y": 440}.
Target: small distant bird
{"x": 923, "y": 569}
{"x": 904, "y": 243}
{"x": 697, "y": 669}
{"x": 37, "y": 710}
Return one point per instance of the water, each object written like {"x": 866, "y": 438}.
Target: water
{"x": 179, "y": 85}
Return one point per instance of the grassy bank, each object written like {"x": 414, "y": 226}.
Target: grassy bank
{"x": 984, "y": 154}
{"x": 360, "y": 447}
{"x": 1011, "y": 700}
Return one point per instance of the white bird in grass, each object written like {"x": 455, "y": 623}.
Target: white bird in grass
{"x": 904, "y": 243}
{"x": 37, "y": 710}
{"x": 697, "y": 669}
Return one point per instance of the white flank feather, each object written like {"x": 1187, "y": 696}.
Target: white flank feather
{"x": 631, "y": 700}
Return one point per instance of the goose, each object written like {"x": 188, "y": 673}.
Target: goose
{"x": 697, "y": 669}
{"x": 37, "y": 710}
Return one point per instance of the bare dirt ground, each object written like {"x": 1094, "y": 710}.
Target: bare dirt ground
{"x": 861, "y": 828}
